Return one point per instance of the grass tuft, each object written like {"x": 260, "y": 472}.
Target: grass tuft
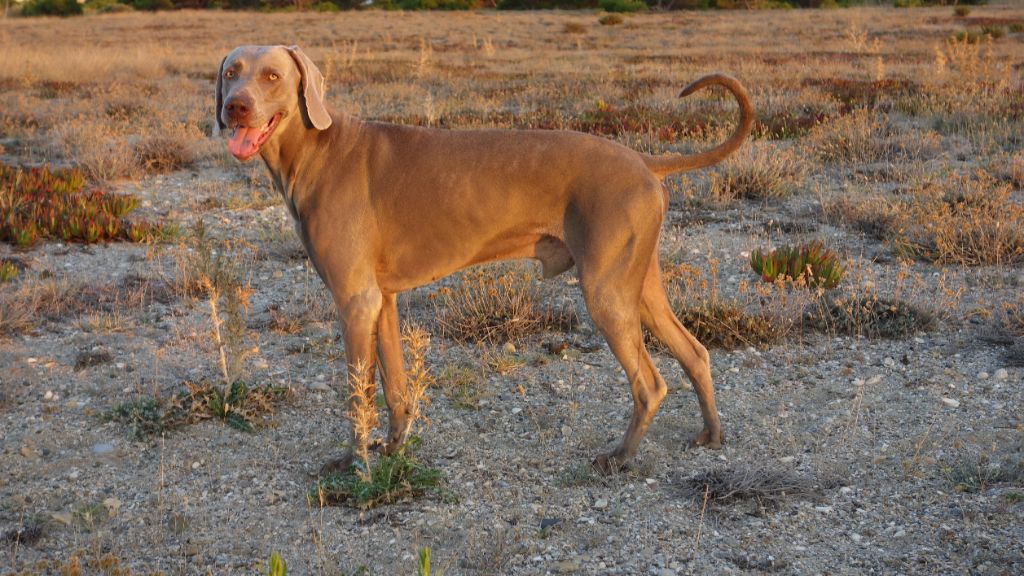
{"x": 392, "y": 478}
{"x": 869, "y": 315}
{"x": 488, "y": 308}
{"x": 763, "y": 484}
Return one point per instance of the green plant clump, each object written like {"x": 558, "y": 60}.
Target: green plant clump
{"x": 51, "y": 8}
{"x": 393, "y": 478}
{"x": 40, "y": 203}
{"x": 811, "y": 263}
{"x": 622, "y": 5}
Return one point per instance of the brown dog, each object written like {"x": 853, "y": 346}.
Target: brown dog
{"x": 383, "y": 208}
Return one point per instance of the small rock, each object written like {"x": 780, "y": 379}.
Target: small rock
{"x": 856, "y": 537}
{"x": 64, "y": 518}
{"x": 112, "y": 505}
{"x": 102, "y": 448}
{"x": 565, "y": 567}
{"x": 509, "y": 348}
{"x": 546, "y": 523}
{"x": 49, "y": 396}
{"x": 1002, "y": 374}
{"x": 566, "y": 431}
{"x": 27, "y": 451}
{"x": 601, "y": 503}
{"x": 517, "y": 410}
{"x": 196, "y": 465}
{"x": 319, "y": 386}
{"x": 786, "y": 459}
{"x": 982, "y": 375}
{"x": 951, "y": 402}
{"x": 823, "y": 509}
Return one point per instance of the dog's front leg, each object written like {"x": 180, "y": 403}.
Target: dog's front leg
{"x": 359, "y": 313}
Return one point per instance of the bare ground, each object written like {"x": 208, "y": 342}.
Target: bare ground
{"x": 873, "y": 441}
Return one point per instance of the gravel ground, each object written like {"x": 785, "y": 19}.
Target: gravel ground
{"x": 869, "y": 431}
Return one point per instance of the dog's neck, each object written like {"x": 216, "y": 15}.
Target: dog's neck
{"x": 289, "y": 154}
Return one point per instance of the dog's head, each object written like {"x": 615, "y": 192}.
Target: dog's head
{"x": 262, "y": 88}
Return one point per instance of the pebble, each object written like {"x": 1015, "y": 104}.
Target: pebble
{"x": 1002, "y": 374}
{"x": 64, "y": 518}
{"x": 319, "y": 386}
{"x": 982, "y": 375}
{"x": 601, "y": 503}
{"x": 49, "y": 396}
{"x": 509, "y": 348}
{"x": 102, "y": 448}
{"x": 951, "y": 402}
{"x": 565, "y": 567}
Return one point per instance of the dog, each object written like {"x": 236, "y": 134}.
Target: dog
{"x": 382, "y": 208}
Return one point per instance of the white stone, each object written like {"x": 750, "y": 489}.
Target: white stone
{"x": 951, "y": 402}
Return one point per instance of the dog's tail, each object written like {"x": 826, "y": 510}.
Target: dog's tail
{"x": 670, "y": 163}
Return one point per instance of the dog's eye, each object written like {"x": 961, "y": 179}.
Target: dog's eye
{"x": 229, "y": 74}
{"x": 272, "y": 77}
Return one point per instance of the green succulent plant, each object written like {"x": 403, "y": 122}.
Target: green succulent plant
{"x": 812, "y": 263}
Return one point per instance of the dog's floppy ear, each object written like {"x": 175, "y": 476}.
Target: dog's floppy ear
{"x": 218, "y": 125}
{"x": 313, "y": 87}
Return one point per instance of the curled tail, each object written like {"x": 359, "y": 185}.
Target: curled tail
{"x": 670, "y": 163}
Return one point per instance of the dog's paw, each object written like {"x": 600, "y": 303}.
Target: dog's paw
{"x": 608, "y": 464}
{"x": 337, "y": 466}
{"x": 707, "y": 439}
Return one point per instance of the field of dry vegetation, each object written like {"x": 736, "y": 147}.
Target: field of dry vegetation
{"x": 171, "y": 372}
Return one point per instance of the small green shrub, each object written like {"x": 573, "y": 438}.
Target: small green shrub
{"x": 393, "y": 478}
{"x": 974, "y": 472}
{"x": 153, "y": 5}
{"x": 611, "y": 20}
{"x": 622, "y": 5}
{"x": 811, "y": 264}
{"x": 325, "y": 7}
{"x": 148, "y": 415}
{"x": 574, "y": 28}
{"x": 961, "y": 11}
{"x": 51, "y": 8}
{"x": 437, "y": 4}
{"x": 8, "y": 271}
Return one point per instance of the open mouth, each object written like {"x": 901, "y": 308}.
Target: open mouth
{"x": 245, "y": 142}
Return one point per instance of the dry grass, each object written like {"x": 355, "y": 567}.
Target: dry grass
{"x": 763, "y": 484}
{"x": 965, "y": 219}
{"x": 866, "y": 136}
{"x": 757, "y": 171}
{"x": 496, "y": 308}
{"x": 756, "y": 316}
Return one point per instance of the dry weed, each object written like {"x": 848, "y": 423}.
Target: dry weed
{"x": 760, "y": 316}
{"x": 362, "y": 413}
{"x": 758, "y": 170}
{"x": 865, "y": 136}
{"x": 506, "y": 307}
{"x": 763, "y": 484}
{"x": 417, "y": 341}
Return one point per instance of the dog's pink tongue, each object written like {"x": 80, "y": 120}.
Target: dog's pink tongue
{"x": 244, "y": 142}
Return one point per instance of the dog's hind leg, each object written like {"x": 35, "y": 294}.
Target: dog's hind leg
{"x": 611, "y": 277}
{"x": 657, "y": 316}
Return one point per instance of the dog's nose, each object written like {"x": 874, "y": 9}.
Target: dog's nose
{"x": 239, "y": 106}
